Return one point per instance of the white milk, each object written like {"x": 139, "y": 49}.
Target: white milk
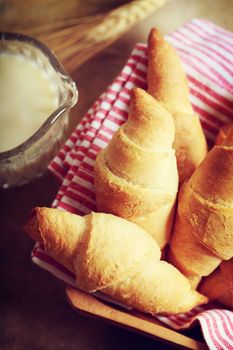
{"x": 27, "y": 98}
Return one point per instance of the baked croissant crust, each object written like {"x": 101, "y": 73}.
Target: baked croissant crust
{"x": 167, "y": 82}
{"x": 218, "y": 286}
{"x": 114, "y": 256}
{"x": 136, "y": 174}
{"x": 203, "y": 232}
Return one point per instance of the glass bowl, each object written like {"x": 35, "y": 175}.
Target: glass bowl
{"x": 29, "y": 160}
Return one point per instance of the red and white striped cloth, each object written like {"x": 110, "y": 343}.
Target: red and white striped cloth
{"x": 206, "y": 51}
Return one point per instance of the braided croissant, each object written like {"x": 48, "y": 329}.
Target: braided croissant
{"x": 203, "y": 233}
{"x": 115, "y": 256}
{"x": 219, "y": 285}
{"x": 168, "y": 84}
{"x": 136, "y": 174}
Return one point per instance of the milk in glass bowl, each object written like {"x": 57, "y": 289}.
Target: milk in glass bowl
{"x": 36, "y": 95}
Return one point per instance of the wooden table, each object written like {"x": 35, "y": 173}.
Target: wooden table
{"x": 35, "y": 313}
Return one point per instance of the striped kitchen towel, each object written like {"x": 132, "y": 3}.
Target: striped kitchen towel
{"x": 206, "y": 51}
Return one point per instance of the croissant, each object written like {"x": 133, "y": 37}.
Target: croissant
{"x": 167, "y": 82}
{"x": 219, "y": 285}
{"x": 203, "y": 231}
{"x": 136, "y": 174}
{"x": 115, "y": 256}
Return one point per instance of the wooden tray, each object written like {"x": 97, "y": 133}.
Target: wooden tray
{"x": 135, "y": 321}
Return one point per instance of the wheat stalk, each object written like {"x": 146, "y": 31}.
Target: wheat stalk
{"x": 75, "y": 40}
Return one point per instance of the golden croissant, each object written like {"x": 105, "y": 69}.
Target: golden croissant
{"x": 167, "y": 82}
{"x": 218, "y": 286}
{"x": 136, "y": 174}
{"x": 203, "y": 232}
{"x": 114, "y": 256}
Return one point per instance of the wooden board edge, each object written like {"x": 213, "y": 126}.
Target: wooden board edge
{"x": 88, "y": 305}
